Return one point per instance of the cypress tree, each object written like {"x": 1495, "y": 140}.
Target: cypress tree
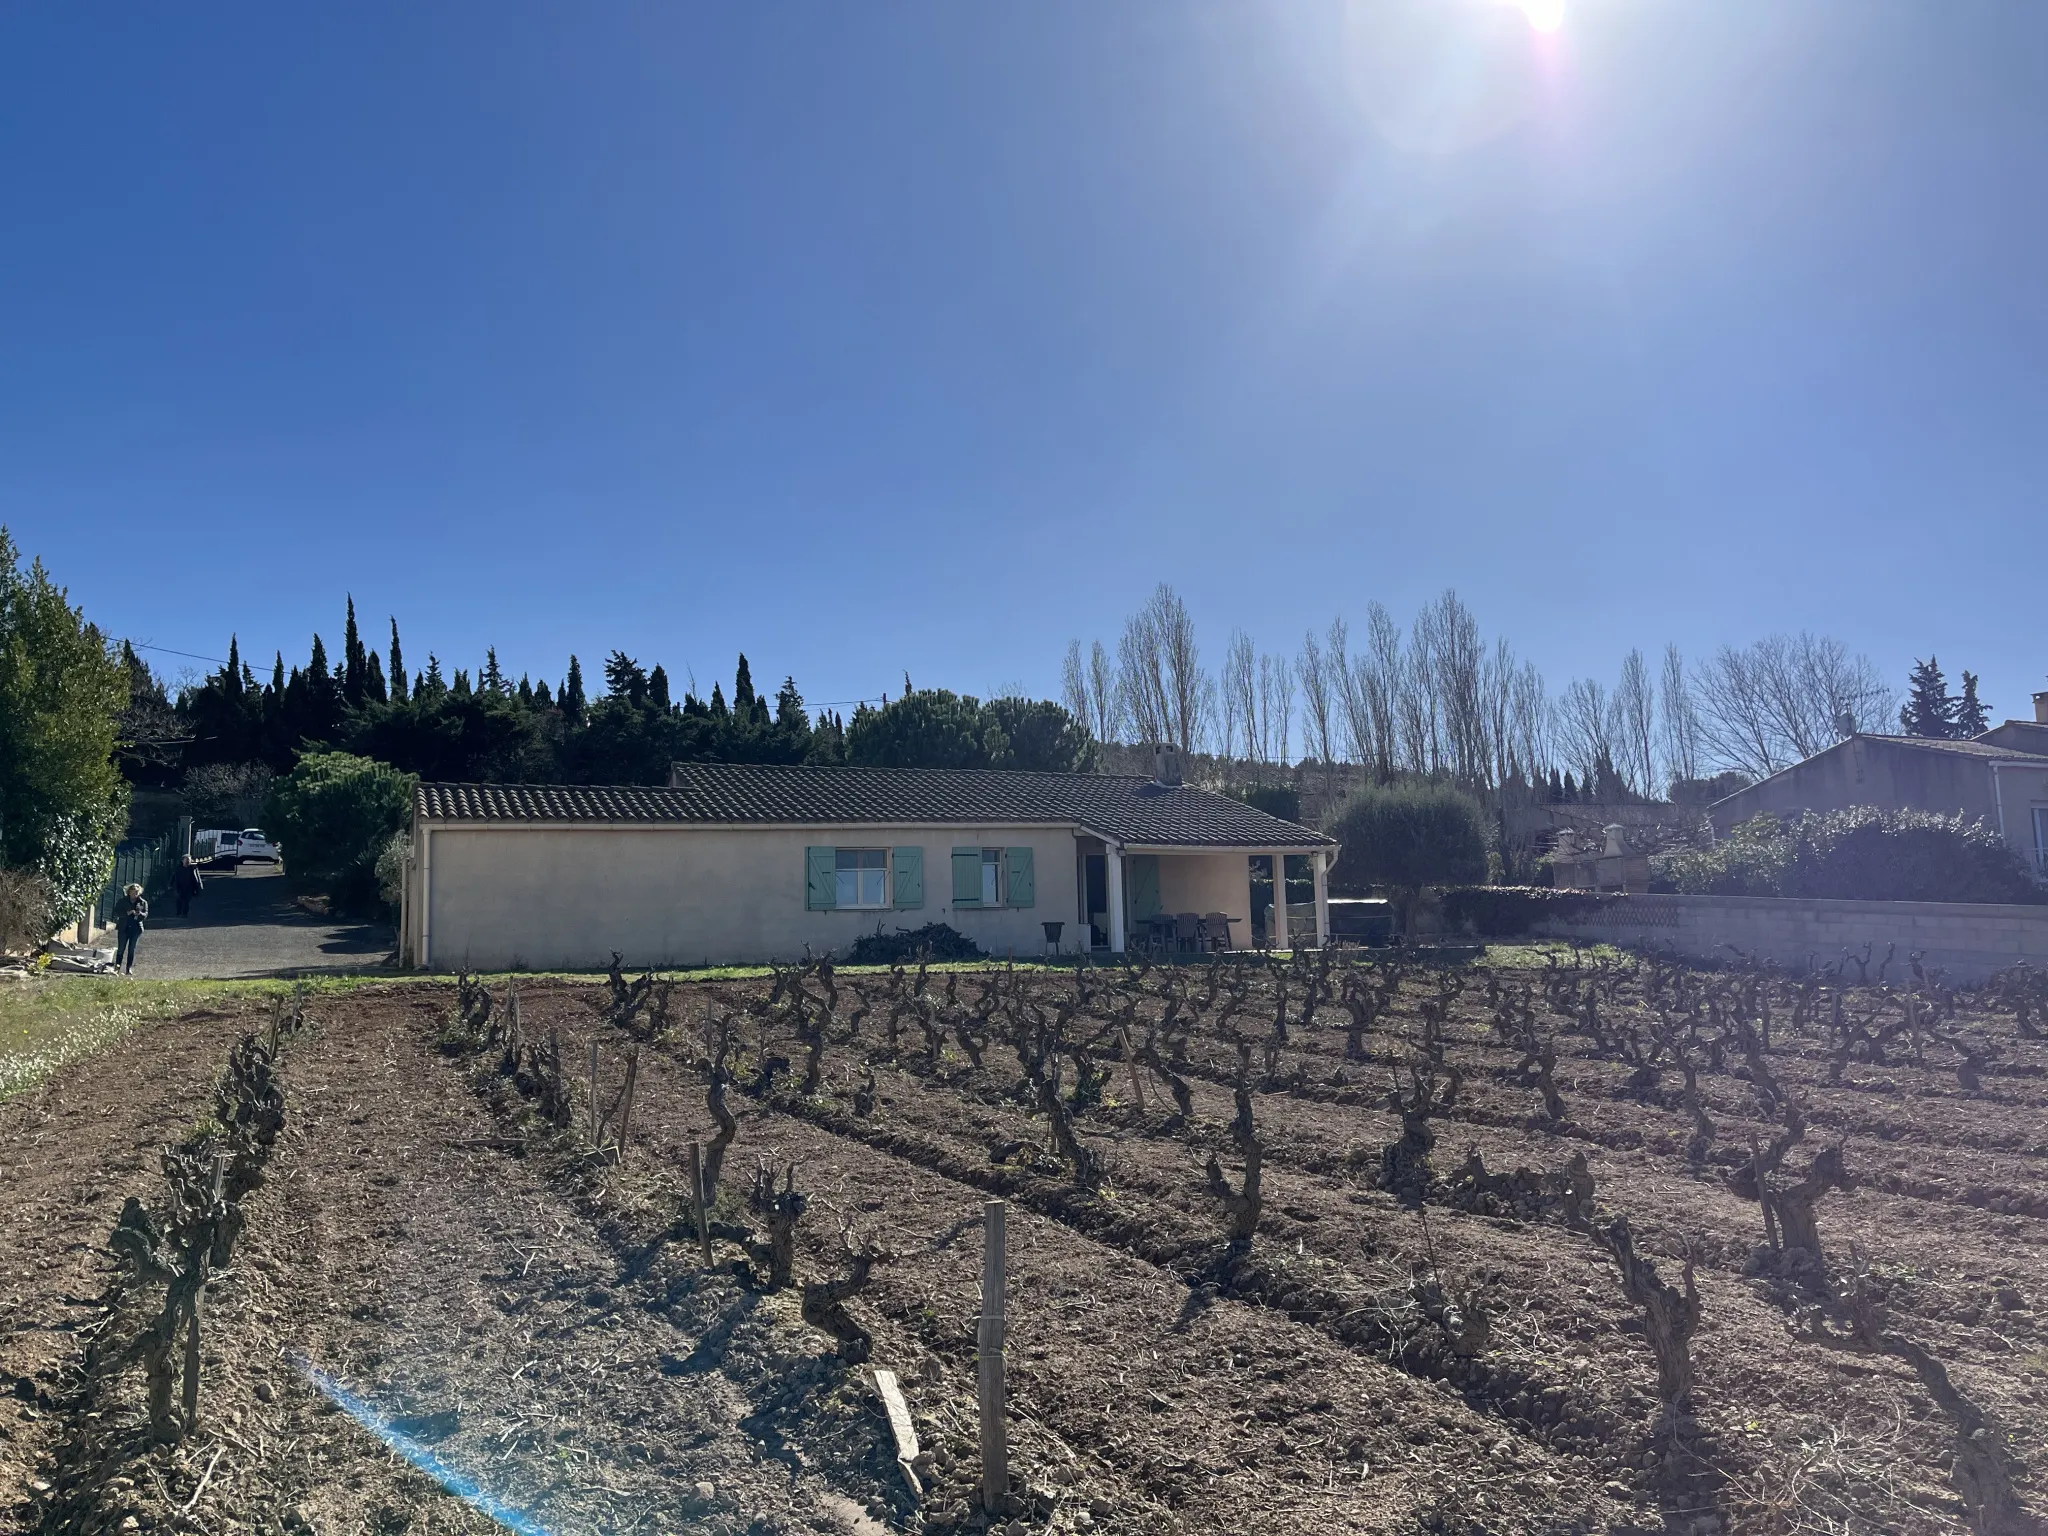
{"x": 1973, "y": 716}
{"x": 657, "y": 688}
{"x": 355, "y": 668}
{"x": 460, "y": 689}
{"x": 743, "y": 689}
{"x": 572, "y": 693}
{"x": 397, "y": 667}
{"x": 525, "y": 691}
{"x": 231, "y": 674}
{"x": 491, "y": 680}
{"x": 1928, "y": 710}
{"x": 718, "y": 709}
{"x": 373, "y": 680}
{"x": 541, "y": 698}
{"x": 1571, "y": 793}
{"x": 430, "y": 684}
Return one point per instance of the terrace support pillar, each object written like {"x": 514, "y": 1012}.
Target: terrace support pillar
{"x": 1113, "y": 871}
{"x": 1277, "y": 934}
{"x": 1321, "y": 862}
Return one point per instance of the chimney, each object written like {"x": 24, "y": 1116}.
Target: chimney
{"x": 1166, "y": 763}
{"x": 1614, "y": 848}
{"x": 2041, "y": 709}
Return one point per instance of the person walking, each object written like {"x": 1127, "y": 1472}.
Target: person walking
{"x": 186, "y": 884}
{"x": 130, "y": 914}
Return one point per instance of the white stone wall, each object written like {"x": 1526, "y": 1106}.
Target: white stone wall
{"x": 1968, "y": 940}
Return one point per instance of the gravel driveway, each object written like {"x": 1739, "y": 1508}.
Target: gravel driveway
{"x": 246, "y": 925}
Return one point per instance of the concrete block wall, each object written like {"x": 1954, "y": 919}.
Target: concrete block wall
{"x": 1967, "y": 940}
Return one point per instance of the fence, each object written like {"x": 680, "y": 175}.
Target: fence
{"x": 146, "y": 862}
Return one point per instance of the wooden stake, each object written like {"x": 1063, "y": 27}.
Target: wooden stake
{"x": 593, "y": 1096}
{"x": 1137, "y": 1079}
{"x": 901, "y": 1427}
{"x": 995, "y": 1437}
{"x": 697, "y": 1201}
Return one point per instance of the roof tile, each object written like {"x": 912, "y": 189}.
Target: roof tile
{"x": 1125, "y": 809}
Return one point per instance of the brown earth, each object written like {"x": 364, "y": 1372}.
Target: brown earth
{"x": 532, "y": 1313}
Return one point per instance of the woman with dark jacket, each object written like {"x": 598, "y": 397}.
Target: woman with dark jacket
{"x": 130, "y": 914}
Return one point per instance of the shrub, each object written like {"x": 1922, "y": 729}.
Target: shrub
{"x": 334, "y": 814}
{"x": 1403, "y": 837}
{"x": 1859, "y": 854}
{"x": 941, "y": 941}
{"x": 1503, "y": 911}
{"x": 390, "y": 868}
{"x": 24, "y": 911}
{"x": 1274, "y": 799}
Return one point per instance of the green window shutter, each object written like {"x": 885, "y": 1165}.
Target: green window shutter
{"x": 1017, "y": 873}
{"x": 966, "y": 877}
{"x": 821, "y": 880}
{"x": 1144, "y": 885}
{"x": 907, "y": 876}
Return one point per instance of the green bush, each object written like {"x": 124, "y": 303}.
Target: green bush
{"x": 1274, "y": 799}
{"x": 334, "y": 814}
{"x": 1504, "y": 911}
{"x": 1858, "y": 854}
{"x": 904, "y": 946}
{"x": 1404, "y": 837}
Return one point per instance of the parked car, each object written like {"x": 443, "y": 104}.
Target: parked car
{"x": 225, "y": 848}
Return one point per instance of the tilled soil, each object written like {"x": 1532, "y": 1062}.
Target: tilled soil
{"x": 431, "y": 1267}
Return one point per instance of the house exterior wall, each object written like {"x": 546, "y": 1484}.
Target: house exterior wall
{"x": 499, "y": 897}
{"x": 1968, "y": 940}
{"x": 1864, "y": 771}
{"x": 1211, "y": 882}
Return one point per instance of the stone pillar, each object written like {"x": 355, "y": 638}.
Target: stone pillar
{"x": 1322, "y": 872}
{"x": 1276, "y": 925}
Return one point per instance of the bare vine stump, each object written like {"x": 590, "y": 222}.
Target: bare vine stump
{"x": 1670, "y": 1317}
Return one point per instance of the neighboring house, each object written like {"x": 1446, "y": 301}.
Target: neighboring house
{"x": 735, "y": 863}
{"x": 1999, "y": 777}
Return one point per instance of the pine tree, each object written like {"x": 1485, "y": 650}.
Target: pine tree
{"x": 1928, "y": 710}
{"x": 525, "y": 691}
{"x": 1973, "y": 716}
{"x": 460, "y": 689}
{"x": 491, "y": 680}
{"x": 430, "y": 684}
{"x": 397, "y": 667}
{"x": 657, "y": 688}
{"x": 541, "y": 698}
{"x": 572, "y": 694}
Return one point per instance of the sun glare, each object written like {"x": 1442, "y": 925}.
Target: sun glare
{"x": 1544, "y": 15}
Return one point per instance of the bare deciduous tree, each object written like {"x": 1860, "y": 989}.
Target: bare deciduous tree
{"x": 1587, "y": 722}
{"x": 1679, "y": 719}
{"x": 1635, "y": 705}
{"x": 1166, "y": 695}
{"x": 1318, "y": 701}
{"x": 1782, "y": 698}
{"x": 1276, "y": 710}
{"x": 1239, "y": 692}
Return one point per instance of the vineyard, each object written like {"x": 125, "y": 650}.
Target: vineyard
{"x": 1585, "y": 1244}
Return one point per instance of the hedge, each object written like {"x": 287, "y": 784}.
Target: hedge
{"x": 1505, "y": 911}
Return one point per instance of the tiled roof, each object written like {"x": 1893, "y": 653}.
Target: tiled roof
{"x": 1126, "y": 810}
{"x": 1964, "y": 748}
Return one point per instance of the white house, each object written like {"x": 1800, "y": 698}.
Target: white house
{"x": 739, "y": 863}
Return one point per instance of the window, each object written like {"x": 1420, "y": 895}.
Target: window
{"x": 991, "y": 877}
{"x": 861, "y": 877}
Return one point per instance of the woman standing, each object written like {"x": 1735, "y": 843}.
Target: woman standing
{"x": 129, "y": 917}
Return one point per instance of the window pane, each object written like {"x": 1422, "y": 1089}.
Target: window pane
{"x": 871, "y": 887}
{"x": 846, "y": 858}
{"x": 874, "y": 858}
{"x": 848, "y": 892}
{"x": 989, "y": 896}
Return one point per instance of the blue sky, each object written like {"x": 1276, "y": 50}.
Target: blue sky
{"x": 925, "y": 336}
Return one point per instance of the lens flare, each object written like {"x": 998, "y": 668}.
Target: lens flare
{"x": 460, "y": 1484}
{"x": 1544, "y": 15}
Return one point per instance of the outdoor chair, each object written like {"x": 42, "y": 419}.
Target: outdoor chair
{"x": 1187, "y": 931}
{"x": 1215, "y": 930}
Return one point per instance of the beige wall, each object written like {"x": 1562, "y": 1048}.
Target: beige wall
{"x": 504, "y": 897}
{"x": 1209, "y": 882}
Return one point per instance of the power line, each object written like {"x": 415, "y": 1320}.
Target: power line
{"x": 144, "y": 645}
